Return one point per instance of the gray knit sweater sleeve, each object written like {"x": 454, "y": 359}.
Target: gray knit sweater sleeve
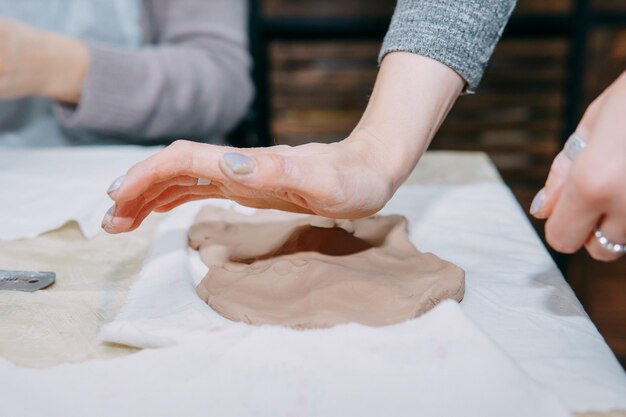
{"x": 192, "y": 81}
{"x": 458, "y": 33}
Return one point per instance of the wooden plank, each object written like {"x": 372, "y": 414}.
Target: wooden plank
{"x": 538, "y": 51}
{"x": 608, "y": 5}
{"x": 537, "y": 6}
{"x": 358, "y": 98}
{"x": 328, "y": 8}
{"x": 606, "y": 301}
{"x": 470, "y": 126}
{"x": 535, "y": 100}
{"x": 312, "y": 79}
{"x": 348, "y": 8}
{"x": 285, "y": 51}
{"x": 540, "y": 148}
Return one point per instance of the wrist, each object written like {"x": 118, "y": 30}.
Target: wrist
{"x": 392, "y": 166}
{"x": 66, "y": 60}
{"x": 411, "y": 98}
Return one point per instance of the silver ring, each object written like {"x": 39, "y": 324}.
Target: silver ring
{"x": 575, "y": 143}
{"x": 203, "y": 181}
{"x": 607, "y": 244}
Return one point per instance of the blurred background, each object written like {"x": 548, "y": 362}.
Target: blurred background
{"x": 315, "y": 65}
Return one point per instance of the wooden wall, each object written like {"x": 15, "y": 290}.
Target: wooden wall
{"x": 602, "y": 287}
{"x": 319, "y": 90}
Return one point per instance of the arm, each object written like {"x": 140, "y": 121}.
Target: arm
{"x": 411, "y": 98}
{"x": 350, "y": 179}
{"x": 449, "y": 42}
{"x": 193, "y": 82}
{"x": 458, "y": 33}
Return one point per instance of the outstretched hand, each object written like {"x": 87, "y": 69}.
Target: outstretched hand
{"x": 349, "y": 179}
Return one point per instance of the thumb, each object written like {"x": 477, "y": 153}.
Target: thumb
{"x": 547, "y": 197}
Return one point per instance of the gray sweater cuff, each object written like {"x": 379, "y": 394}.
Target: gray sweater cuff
{"x": 458, "y": 33}
{"x": 106, "y": 102}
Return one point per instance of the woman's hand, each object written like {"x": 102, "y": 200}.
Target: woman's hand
{"x": 38, "y": 63}
{"x": 350, "y": 179}
{"x": 589, "y": 192}
{"x": 341, "y": 180}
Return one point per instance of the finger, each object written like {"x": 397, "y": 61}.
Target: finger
{"x": 296, "y": 179}
{"x": 118, "y": 218}
{"x": 271, "y": 203}
{"x": 575, "y": 214}
{"x": 126, "y": 208}
{"x": 544, "y": 202}
{"x": 121, "y": 213}
{"x": 182, "y": 158}
{"x": 129, "y": 215}
{"x": 614, "y": 228}
{"x": 128, "y": 212}
{"x": 253, "y": 203}
{"x": 146, "y": 210}
{"x": 182, "y": 180}
{"x": 212, "y": 190}
{"x": 169, "y": 195}
{"x": 157, "y": 189}
{"x": 180, "y": 201}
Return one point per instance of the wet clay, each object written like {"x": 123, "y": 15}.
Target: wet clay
{"x": 311, "y": 271}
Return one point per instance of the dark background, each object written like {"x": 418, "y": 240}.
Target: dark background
{"x": 315, "y": 66}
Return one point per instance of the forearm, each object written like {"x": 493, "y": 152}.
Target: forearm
{"x": 161, "y": 91}
{"x": 411, "y": 98}
{"x": 193, "y": 81}
{"x": 458, "y": 33}
{"x": 66, "y": 61}
{"x": 35, "y": 62}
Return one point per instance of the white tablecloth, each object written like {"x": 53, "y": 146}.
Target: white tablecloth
{"x": 515, "y": 294}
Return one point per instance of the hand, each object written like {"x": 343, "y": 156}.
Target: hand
{"x": 349, "y": 179}
{"x": 38, "y": 63}
{"x": 590, "y": 191}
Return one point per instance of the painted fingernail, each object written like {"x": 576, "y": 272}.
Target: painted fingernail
{"x": 107, "y": 221}
{"x": 115, "y": 185}
{"x": 535, "y": 206}
{"x": 238, "y": 163}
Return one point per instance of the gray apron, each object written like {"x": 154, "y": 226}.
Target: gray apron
{"x": 30, "y": 121}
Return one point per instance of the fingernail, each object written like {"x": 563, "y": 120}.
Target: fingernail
{"x": 107, "y": 221}
{"x": 238, "y": 163}
{"x": 535, "y": 206}
{"x": 115, "y": 185}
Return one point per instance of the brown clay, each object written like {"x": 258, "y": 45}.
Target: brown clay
{"x": 311, "y": 271}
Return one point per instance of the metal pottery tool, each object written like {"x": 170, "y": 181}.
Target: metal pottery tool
{"x": 25, "y": 280}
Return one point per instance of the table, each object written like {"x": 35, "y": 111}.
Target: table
{"x": 60, "y": 324}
